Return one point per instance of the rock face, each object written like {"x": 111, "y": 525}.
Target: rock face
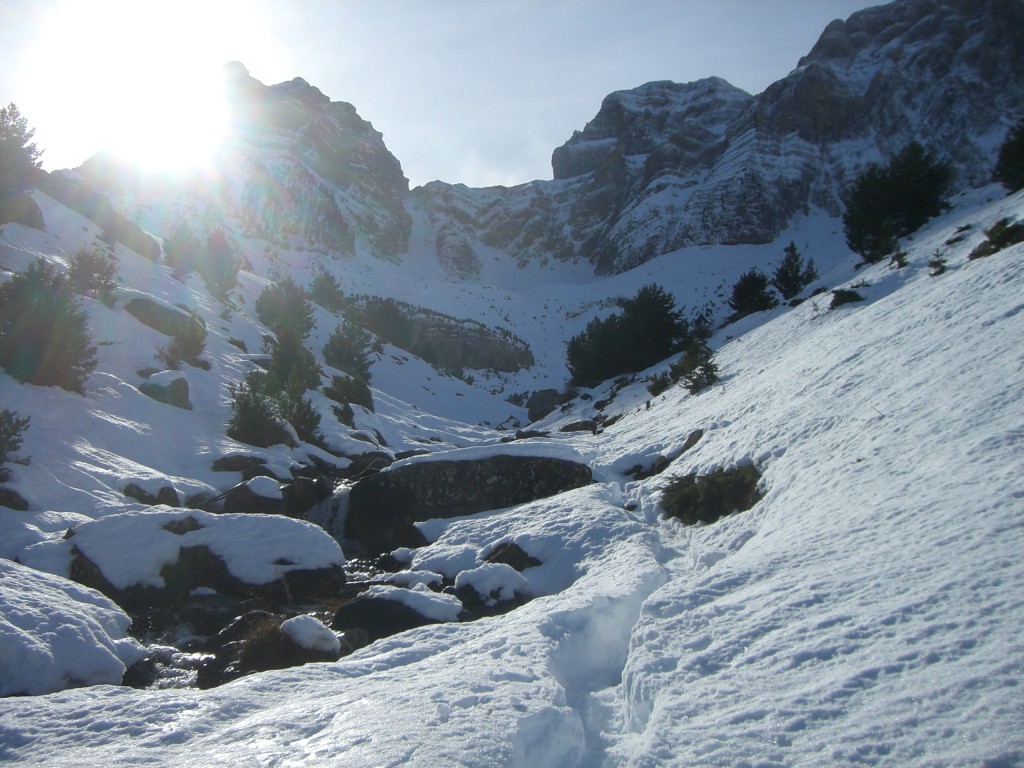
{"x": 298, "y": 169}
{"x": 382, "y": 508}
{"x": 666, "y": 165}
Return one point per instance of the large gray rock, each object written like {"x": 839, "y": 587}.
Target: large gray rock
{"x": 382, "y": 508}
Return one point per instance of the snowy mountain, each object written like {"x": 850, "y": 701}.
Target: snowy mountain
{"x": 442, "y": 579}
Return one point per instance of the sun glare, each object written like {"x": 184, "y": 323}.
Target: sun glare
{"x": 143, "y": 80}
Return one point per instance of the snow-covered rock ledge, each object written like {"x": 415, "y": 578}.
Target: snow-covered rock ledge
{"x": 163, "y": 554}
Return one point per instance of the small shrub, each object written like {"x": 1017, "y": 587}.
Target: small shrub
{"x": 348, "y": 389}
{"x": 92, "y": 273}
{"x": 842, "y": 296}
{"x": 696, "y": 367}
{"x": 937, "y": 264}
{"x": 185, "y": 346}
{"x": 658, "y": 383}
{"x": 44, "y": 335}
{"x": 899, "y": 259}
{"x": 254, "y": 416}
{"x": 303, "y": 416}
{"x": 707, "y": 498}
{"x": 1003, "y": 234}
{"x": 11, "y": 428}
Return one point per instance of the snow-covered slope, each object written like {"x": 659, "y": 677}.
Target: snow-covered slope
{"x": 866, "y": 611}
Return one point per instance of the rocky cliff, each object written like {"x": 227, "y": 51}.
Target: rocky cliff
{"x": 668, "y": 165}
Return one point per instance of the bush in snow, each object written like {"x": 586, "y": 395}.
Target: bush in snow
{"x": 348, "y": 349}
{"x": 187, "y": 344}
{"x": 11, "y": 428}
{"x": 91, "y": 273}
{"x": 892, "y": 201}
{"x": 794, "y": 273}
{"x": 696, "y": 367}
{"x": 303, "y": 416}
{"x": 842, "y": 296}
{"x": 219, "y": 264}
{"x": 254, "y": 414}
{"x": 1010, "y": 165}
{"x": 1002, "y": 234}
{"x": 706, "y": 498}
{"x": 658, "y": 383}
{"x": 937, "y": 264}
{"x": 284, "y": 307}
{"x": 750, "y": 294}
{"x": 44, "y": 335}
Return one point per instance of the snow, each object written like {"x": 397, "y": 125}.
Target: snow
{"x": 311, "y": 633}
{"x": 265, "y": 487}
{"x": 55, "y": 634}
{"x": 866, "y": 611}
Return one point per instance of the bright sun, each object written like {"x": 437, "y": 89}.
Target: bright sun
{"x": 143, "y": 79}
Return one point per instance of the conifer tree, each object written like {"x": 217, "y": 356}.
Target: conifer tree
{"x": 1010, "y": 166}
{"x": 19, "y": 156}
{"x": 750, "y": 294}
{"x": 793, "y": 274}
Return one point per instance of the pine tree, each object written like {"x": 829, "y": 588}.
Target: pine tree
{"x": 285, "y": 307}
{"x": 793, "y": 274}
{"x": 19, "y": 156}
{"x": 1010, "y": 166}
{"x": 750, "y": 294}
{"x": 892, "y": 201}
{"x": 348, "y": 349}
{"x": 44, "y": 335}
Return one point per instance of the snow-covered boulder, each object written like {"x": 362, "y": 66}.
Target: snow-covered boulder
{"x": 56, "y": 634}
{"x": 384, "y": 610}
{"x": 155, "y": 556}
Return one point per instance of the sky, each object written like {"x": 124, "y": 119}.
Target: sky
{"x": 462, "y": 90}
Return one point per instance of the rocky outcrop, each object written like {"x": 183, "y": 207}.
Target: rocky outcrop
{"x": 383, "y": 508}
{"x": 160, "y": 316}
{"x": 171, "y": 389}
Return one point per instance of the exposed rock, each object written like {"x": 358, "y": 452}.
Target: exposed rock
{"x": 383, "y": 507}
{"x": 378, "y": 617}
{"x": 510, "y": 553}
{"x": 260, "y": 495}
{"x": 173, "y": 392}
{"x": 249, "y": 466}
{"x": 11, "y": 499}
{"x": 584, "y": 425}
{"x": 165, "y": 495}
{"x": 256, "y": 642}
{"x": 21, "y": 209}
{"x": 162, "y": 317}
{"x": 541, "y": 403}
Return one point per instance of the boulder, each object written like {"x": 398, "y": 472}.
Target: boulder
{"x": 378, "y": 617}
{"x": 383, "y": 507}
{"x": 165, "y": 495}
{"x": 162, "y": 317}
{"x": 260, "y": 495}
{"x": 542, "y": 403}
{"x": 172, "y": 390}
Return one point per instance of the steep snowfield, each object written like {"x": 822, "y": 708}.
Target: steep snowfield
{"x": 866, "y": 611}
